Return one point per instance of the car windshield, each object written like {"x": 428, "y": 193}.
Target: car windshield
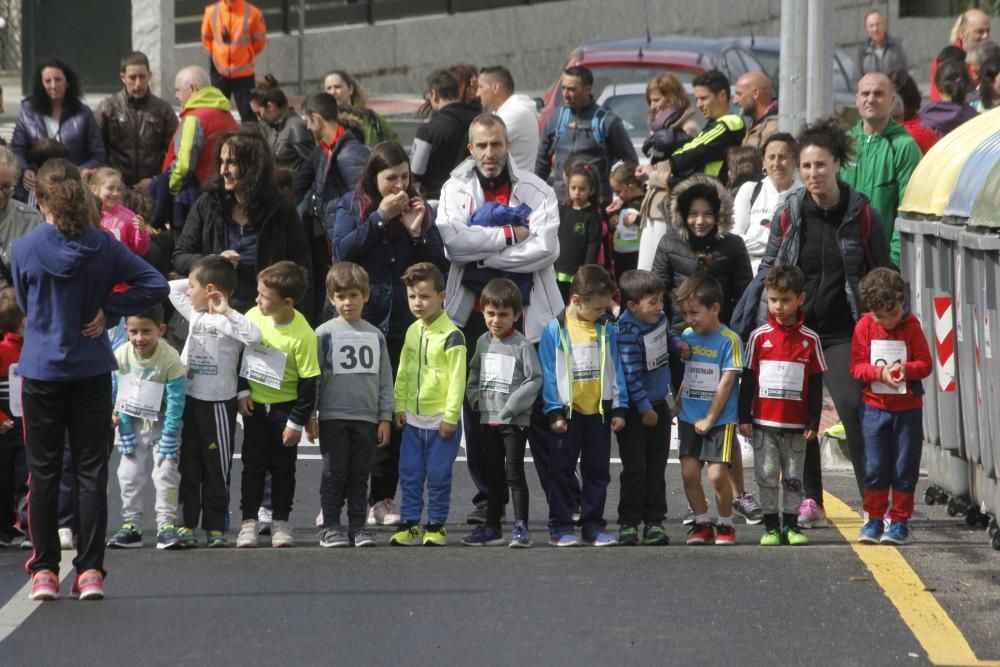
{"x": 632, "y": 110}
{"x": 769, "y": 61}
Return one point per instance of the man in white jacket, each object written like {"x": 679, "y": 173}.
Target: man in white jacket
{"x": 496, "y": 92}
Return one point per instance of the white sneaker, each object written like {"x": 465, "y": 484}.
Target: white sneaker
{"x": 264, "y": 521}
{"x": 390, "y": 516}
{"x": 281, "y": 535}
{"x": 67, "y": 540}
{"x": 371, "y": 514}
{"x": 248, "y": 535}
{"x": 319, "y": 519}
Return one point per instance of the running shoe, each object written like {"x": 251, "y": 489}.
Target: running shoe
{"x": 484, "y": 536}
{"x": 871, "y": 532}
{"x": 476, "y": 517}
{"x": 688, "y": 516}
{"x": 836, "y": 431}
{"x": 748, "y": 508}
{"x": 263, "y": 521}
{"x": 700, "y": 533}
{"x": 725, "y": 535}
{"x": 187, "y": 538}
{"x": 217, "y": 540}
{"x": 281, "y": 535}
{"x": 771, "y": 538}
{"x": 333, "y": 538}
{"x": 67, "y": 540}
{"x": 653, "y": 535}
{"x": 44, "y": 585}
{"x": 520, "y": 535}
{"x": 628, "y": 536}
{"x": 897, "y": 533}
{"x": 601, "y": 539}
{"x": 364, "y": 538}
{"x": 435, "y": 535}
{"x": 247, "y": 538}
{"x": 563, "y": 539}
{"x": 792, "y": 536}
{"x": 90, "y": 585}
{"x": 166, "y": 537}
{"x": 128, "y": 537}
{"x": 408, "y": 535}
{"x": 811, "y": 515}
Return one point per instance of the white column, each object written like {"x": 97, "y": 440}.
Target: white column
{"x": 792, "y": 87}
{"x": 153, "y": 34}
{"x": 819, "y": 83}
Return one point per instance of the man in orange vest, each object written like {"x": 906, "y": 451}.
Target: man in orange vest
{"x": 233, "y": 33}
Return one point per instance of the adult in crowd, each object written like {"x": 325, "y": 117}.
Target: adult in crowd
{"x": 333, "y": 169}
{"x": 16, "y": 218}
{"x": 55, "y": 110}
{"x": 136, "y": 125}
{"x": 745, "y": 164}
{"x": 979, "y": 53}
{"x": 385, "y": 227}
{"x": 885, "y": 154}
{"x": 582, "y": 128}
{"x": 242, "y": 217}
{"x": 518, "y": 112}
{"x": 972, "y": 26}
{"x": 291, "y": 141}
{"x": 64, "y": 274}
{"x": 834, "y": 234}
{"x": 908, "y": 113}
{"x": 234, "y": 34}
{"x": 478, "y": 252}
{"x": 441, "y": 143}
{"x": 989, "y": 85}
{"x": 881, "y": 52}
{"x": 754, "y": 95}
{"x": 349, "y": 93}
{"x": 756, "y": 202}
{"x": 951, "y": 110}
{"x": 468, "y": 85}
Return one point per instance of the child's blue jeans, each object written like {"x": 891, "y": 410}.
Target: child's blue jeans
{"x": 425, "y": 456}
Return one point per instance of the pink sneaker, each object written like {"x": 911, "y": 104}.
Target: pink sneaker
{"x": 811, "y": 515}
{"x": 386, "y": 514}
{"x": 44, "y": 585}
{"x": 90, "y": 585}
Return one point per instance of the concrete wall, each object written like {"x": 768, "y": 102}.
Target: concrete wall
{"x": 533, "y": 41}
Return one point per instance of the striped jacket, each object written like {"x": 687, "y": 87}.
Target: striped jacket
{"x": 645, "y": 350}
{"x": 707, "y": 152}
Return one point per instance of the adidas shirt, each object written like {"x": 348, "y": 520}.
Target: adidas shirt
{"x": 783, "y": 358}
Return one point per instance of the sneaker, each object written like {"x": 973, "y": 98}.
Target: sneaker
{"x": 67, "y": 540}
{"x": 90, "y": 585}
{"x": 435, "y": 535}
{"x": 407, "y": 536}
{"x": 281, "y": 535}
{"x": 771, "y": 538}
{"x": 811, "y": 515}
{"x": 484, "y": 536}
{"x": 476, "y": 517}
{"x": 371, "y": 515}
{"x": 576, "y": 518}
{"x": 319, "y": 519}
{"x": 44, "y": 585}
{"x": 628, "y": 536}
{"x": 247, "y": 538}
{"x": 7, "y": 539}
{"x": 748, "y": 508}
{"x": 871, "y": 532}
{"x": 187, "y": 538}
{"x": 364, "y": 538}
{"x": 217, "y": 540}
{"x": 836, "y": 431}
{"x": 390, "y": 516}
{"x": 563, "y": 540}
{"x": 264, "y": 521}
{"x": 520, "y": 536}
{"x": 333, "y": 538}
{"x": 897, "y": 533}
{"x": 725, "y": 534}
{"x": 688, "y": 516}
{"x": 127, "y": 537}
{"x": 601, "y": 539}
{"x": 166, "y": 537}
{"x": 700, "y": 533}
{"x": 792, "y": 536}
{"x": 26, "y": 544}
{"x": 653, "y": 535}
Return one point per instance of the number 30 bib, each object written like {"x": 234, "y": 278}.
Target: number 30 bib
{"x": 355, "y": 352}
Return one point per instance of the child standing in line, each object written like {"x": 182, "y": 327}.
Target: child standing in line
{"x": 109, "y": 189}
{"x": 355, "y": 405}
{"x": 580, "y": 223}
{"x": 150, "y": 385}
{"x": 584, "y": 385}
{"x": 890, "y": 355}
{"x": 708, "y": 407}
{"x": 645, "y": 343}
{"x": 505, "y": 377}
{"x": 430, "y": 388}
{"x": 211, "y": 353}
{"x": 781, "y": 398}
{"x": 629, "y": 194}
{"x": 13, "y": 464}
{"x": 283, "y": 372}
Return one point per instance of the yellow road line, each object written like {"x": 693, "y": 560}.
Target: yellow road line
{"x": 923, "y": 614}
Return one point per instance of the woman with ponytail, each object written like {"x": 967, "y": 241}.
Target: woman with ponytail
{"x": 65, "y": 276}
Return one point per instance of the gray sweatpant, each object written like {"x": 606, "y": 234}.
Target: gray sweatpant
{"x": 133, "y": 474}
{"x": 778, "y": 454}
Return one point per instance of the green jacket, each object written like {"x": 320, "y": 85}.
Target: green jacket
{"x": 431, "y": 376}
{"x": 881, "y": 170}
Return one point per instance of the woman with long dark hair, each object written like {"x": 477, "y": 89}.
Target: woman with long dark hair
{"x": 291, "y": 141}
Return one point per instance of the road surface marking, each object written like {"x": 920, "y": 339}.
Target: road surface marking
{"x": 19, "y": 607}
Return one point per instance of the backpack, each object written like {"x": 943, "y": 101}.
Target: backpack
{"x": 596, "y": 124}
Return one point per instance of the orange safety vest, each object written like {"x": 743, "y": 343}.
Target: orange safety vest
{"x": 233, "y": 34}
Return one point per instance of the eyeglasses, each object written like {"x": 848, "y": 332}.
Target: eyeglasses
{"x": 7, "y": 188}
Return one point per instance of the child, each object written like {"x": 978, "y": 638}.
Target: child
{"x": 584, "y": 388}
{"x": 215, "y": 340}
{"x": 579, "y": 223}
{"x": 708, "y": 407}
{"x": 150, "y": 385}
{"x": 283, "y": 372}
{"x": 645, "y": 343}
{"x": 889, "y": 354}
{"x": 430, "y": 388}
{"x": 13, "y": 465}
{"x": 107, "y": 186}
{"x": 629, "y": 194}
{"x": 505, "y": 377}
{"x": 781, "y": 398}
{"x": 355, "y": 405}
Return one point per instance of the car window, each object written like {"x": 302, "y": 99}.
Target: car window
{"x": 734, "y": 64}
{"x": 769, "y": 61}
{"x": 609, "y": 76}
{"x": 632, "y": 110}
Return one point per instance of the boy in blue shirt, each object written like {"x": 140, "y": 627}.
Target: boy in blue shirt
{"x": 708, "y": 407}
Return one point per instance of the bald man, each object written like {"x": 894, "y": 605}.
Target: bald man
{"x": 885, "y": 154}
{"x": 754, "y": 95}
{"x": 882, "y": 52}
{"x": 972, "y": 27}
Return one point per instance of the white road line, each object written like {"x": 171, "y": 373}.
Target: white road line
{"x": 19, "y": 607}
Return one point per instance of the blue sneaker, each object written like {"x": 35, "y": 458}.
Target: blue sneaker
{"x": 601, "y": 539}
{"x": 484, "y": 536}
{"x": 871, "y": 532}
{"x": 520, "y": 537}
{"x": 563, "y": 539}
{"x": 898, "y": 532}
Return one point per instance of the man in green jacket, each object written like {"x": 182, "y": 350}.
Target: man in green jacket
{"x": 885, "y": 154}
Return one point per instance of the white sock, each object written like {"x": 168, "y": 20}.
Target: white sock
{"x": 725, "y": 520}
{"x": 701, "y": 518}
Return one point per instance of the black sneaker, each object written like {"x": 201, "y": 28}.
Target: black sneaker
{"x": 128, "y": 537}
{"x": 653, "y": 535}
{"x": 628, "y": 536}
{"x": 166, "y": 537}
{"x": 476, "y": 517}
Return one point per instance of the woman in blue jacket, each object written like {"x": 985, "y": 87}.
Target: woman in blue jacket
{"x": 54, "y": 110}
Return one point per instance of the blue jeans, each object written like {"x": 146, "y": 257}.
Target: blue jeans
{"x": 588, "y": 441}
{"x": 425, "y": 456}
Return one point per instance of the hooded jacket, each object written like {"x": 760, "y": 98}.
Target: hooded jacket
{"x": 441, "y": 144}
{"x": 137, "y": 133}
{"x": 722, "y": 255}
{"x": 61, "y": 283}
{"x": 944, "y": 116}
{"x": 206, "y": 115}
{"x": 78, "y": 132}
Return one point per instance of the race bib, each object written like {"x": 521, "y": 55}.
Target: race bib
{"x": 264, "y": 365}
{"x": 203, "y": 355}
{"x": 586, "y": 359}
{"x": 887, "y": 353}
{"x": 655, "y": 343}
{"x": 14, "y": 384}
{"x": 355, "y": 352}
{"x": 781, "y": 379}
{"x": 701, "y": 379}
{"x": 497, "y": 373}
{"x": 139, "y": 398}
{"x": 627, "y": 232}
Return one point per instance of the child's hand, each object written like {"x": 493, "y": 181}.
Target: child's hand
{"x": 6, "y": 426}
{"x": 384, "y": 434}
{"x": 312, "y": 430}
{"x": 447, "y": 430}
{"x": 703, "y": 425}
{"x": 684, "y": 350}
{"x": 290, "y": 437}
{"x": 809, "y": 434}
{"x": 245, "y": 406}
{"x": 115, "y": 420}
{"x": 559, "y": 426}
{"x": 218, "y": 303}
{"x": 650, "y": 418}
{"x": 746, "y": 430}
{"x": 615, "y": 205}
{"x": 892, "y": 375}
{"x": 232, "y": 256}
{"x": 400, "y": 419}
{"x": 617, "y": 424}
